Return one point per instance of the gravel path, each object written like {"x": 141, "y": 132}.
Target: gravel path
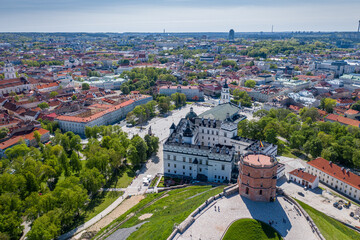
{"x": 117, "y": 212}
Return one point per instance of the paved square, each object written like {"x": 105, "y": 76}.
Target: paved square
{"x": 211, "y": 224}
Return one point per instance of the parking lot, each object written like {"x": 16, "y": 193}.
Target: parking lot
{"x": 321, "y": 200}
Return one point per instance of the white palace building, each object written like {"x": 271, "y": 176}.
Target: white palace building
{"x": 206, "y": 147}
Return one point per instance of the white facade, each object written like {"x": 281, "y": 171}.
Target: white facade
{"x": 298, "y": 179}
{"x": 77, "y": 125}
{"x": 206, "y": 149}
{"x": 225, "y": 94}
{"x": 9, "y": 71}
{"x": 335, "y": 183}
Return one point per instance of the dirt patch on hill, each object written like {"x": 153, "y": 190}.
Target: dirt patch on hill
{"x": 145, "y": 216}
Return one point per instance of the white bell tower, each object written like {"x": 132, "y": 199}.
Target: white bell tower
{"x": 225, "y": 94}
{"x": 9, "y": 71}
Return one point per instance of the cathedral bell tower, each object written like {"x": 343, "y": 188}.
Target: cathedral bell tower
{"x": 225, "y": 93}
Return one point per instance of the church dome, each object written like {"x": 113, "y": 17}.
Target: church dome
{"x": 191, "y": 115}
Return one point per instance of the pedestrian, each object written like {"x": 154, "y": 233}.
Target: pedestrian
{"x": 218, "y": 208}
{"x": 215, "y": 208}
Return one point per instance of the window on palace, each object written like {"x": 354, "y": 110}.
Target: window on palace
{"x": 260, "y": 192}
{"x": 168, "y": 164}
{"x": 174, "y": 158}
{"x": 184, "y": 159}
{"x": 223, "y": 167}
{"x": 183, "y": 166}
{"x": 174, "y": 165}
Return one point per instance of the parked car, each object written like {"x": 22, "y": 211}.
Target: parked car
{"x": 336, "y": 204}
{"x": 301, "y": 194}
{"x": 352, "y": 214}
{"x": 339, "y": 207}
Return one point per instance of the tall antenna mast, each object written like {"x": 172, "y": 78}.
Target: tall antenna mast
{"x": 359, "y": 26}
{"x": 272, "y": 28}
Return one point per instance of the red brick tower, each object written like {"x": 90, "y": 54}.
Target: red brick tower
{"x": 257, "y": 177}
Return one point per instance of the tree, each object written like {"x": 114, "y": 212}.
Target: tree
{"x": 74, "y": 97}
{"x": 312, "y": 113}
{"x": 227, "y": 63}
{"x": 356, "y": 106}
{"x": 140, "y": 146}
{"x": 140, "y": 113}
{"x": 75, "y": 162}
{"x": 85, "y": 86}
{"x": 314, "y": 147}
{"x": 125, "y": 89}
{"x": 250, "y": 83}
{"x": 46, "y": 227}
{"x": 37, "y": 137}
{"x": 53, "y": 94}
{"x": 179, "y": 99}
{"x": 64, "y": 162}
{"x": 75, "y": 143}
{"x": 132, "y": 155}
{"x": 297, "y": 140}
{"x": 327, "y": 104}
{"x": 43, "y": 105}
{"x": 92, "y": 180}
{"x": 3, "y": 132}
{"x": 242, "y": 97}
{"x": 270, "y": 136}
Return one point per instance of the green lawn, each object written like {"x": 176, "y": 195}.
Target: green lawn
{"x": 154, "y": 181}
{"x": 330, "y": 228}
{"x": 100, "y": 203}
{"x": 124, "y": 179}
{"x": 248, "y": 229}
{"x": 172, "y": 209}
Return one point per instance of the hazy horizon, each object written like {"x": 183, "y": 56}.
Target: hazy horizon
{"x": 178, "y": 16}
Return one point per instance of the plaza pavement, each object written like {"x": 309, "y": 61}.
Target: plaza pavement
{"x": 211, "y": 224}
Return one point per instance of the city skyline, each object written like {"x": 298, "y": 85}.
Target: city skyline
{"x": 178, "y": 16}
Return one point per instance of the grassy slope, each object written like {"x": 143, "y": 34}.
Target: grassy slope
{"x": 170, "y": 210}
{"x": 246, "y": 229}
{"x": 100, "y": 204}
{"x": 329, "y": 227}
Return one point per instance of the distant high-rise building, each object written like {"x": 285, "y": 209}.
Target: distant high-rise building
{"x": 231, "y": 35}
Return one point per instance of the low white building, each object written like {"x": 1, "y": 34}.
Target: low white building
{"x": 304, "y": 178}
{"x": 336, "y": 177}
{"x": 191, "y": 92}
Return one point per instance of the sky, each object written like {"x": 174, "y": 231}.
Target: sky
{"x": 178, "y": 15}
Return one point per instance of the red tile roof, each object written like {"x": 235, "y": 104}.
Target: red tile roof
{"x": 351, "y": 112}
{"x": 343, "y": 120}
{"x": 303, "y": 175}
{"x": 335, "y": 171}
{"x": 96, "y": 115}
{"x": 11, "y": 142}
{"x": 47, "y": 85}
